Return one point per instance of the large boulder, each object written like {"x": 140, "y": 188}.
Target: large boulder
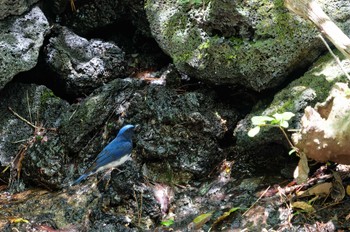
{"x": 21, "y": 39}
{"x": 257, "y": 44}
{"x": 182, "y": 131}
{"x": 29, "y": 118}
{"x": 81, "y": 64}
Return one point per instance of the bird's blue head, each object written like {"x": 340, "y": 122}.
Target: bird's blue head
{"x": 126, "y": 132}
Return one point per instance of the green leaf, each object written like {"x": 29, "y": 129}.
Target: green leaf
{"x": 278, "y": 116}
{"x": 18, "y": 220}
{"x": 347, "y": 92}
{"x": 275, "y": 122}
{"x": 202, "y": 219}
{"x": 284, "y": 116}
{"x": 226, "y": 214}
{"x": 167, "y": 223}
{"x": 287, "y": 115}
{"x": 254, "y": 131}
{"x": 197, "y": 1}
{"x": 261, "y": 120}
{"x": 284, "y": 124}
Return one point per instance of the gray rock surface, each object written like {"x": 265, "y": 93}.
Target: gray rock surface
{"x": 21, "y": 38}
{"x": 82, "y": 64}
{"x": 14, "y": 7}
{"x": 256, "y": 44}
{"x": 41, "y": 149}
{"x": 180, "y": 130}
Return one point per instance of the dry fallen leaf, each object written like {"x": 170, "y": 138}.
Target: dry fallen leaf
{"x": 164, "y": 195}
{"x": 348, "y": 190}
{"x": 322, "y": 189}
{"x": 338, "y": 191}
{"x": 325, "y": 130}
{"x": 347, "y": 217}
{"x": 301, "y": 172}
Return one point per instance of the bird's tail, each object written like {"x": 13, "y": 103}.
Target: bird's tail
{"x": 80, "y": 179}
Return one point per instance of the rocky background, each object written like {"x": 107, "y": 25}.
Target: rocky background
{"x": 190, "y": 73}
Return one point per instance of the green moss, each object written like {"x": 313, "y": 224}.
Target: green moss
{"x": 193, "y": 3}
{"x": 312, "y": 81}
{"x": 204, "y": 45}
{"x": 46, "y": 95}
{"x": 264, "y": 54}
{"x": 183, "y": 41}
{"x": 182, "y": 57}
{"x": 275, "y": 22}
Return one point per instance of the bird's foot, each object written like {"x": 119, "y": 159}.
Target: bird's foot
{"x": 108, "y": 175}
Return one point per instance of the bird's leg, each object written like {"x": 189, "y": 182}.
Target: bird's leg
{"x": 108, "y": 175}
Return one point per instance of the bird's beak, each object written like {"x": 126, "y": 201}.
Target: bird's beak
{"x": 137, "y": 128}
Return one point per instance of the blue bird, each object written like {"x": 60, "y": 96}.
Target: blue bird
{"x": 114, "y": 154}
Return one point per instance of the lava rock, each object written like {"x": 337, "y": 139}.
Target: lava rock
{"x": 82, "y": 64}
{"x": 21, "y": 39}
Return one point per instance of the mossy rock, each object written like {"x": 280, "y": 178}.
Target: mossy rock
{"x": 257, "y": 44}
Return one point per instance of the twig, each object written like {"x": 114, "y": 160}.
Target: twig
{"x": 23, "y": 119}
{"x": 334, "y": 56}
{"x": 256, "y": 201}
{"x": 139, "y": 208}
{"x": 330, "y": 205}
{"x": 29, "y": 112}
{"x": 311, "y": 10}
{"x": 285, "y": 135}
{"x": 72, "y": 115}
{"x": 140, "y": 213}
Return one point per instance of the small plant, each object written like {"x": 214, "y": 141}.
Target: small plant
{"x": 276, "y": 120}
{"x": 281, "y": 121}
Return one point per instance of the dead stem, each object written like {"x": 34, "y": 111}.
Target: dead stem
{"x": 23, "y": 119}
{"x": 256, "y": 201}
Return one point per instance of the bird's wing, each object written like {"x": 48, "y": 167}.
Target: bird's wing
{"x": 111, "y": 153}
{"x": 113, "y": 146}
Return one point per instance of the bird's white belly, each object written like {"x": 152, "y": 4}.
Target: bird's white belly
{"x": 115, "y": 163}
